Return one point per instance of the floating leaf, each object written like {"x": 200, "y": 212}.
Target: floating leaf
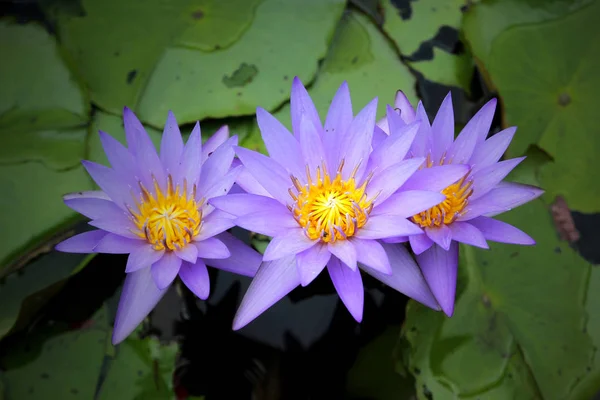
{"x": 373, "y": 374}
{"x": 141, "y": 369}
{"x": 422, "y": 23}
{"x": 22, "y": 295}
{"x": 54, "y": 363}
{"x": 517, "y": 329}
{"x": 547, "y": 76}
{"x": 149, "y": 59}
{"x": 485, "y": 20}
{"x": 447, "y": 69}
{"x": 362, "y": 56}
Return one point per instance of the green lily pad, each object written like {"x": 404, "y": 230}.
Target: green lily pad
{"x": 361, "y": 55}
{"x": 546, "y": 74}
{"x": 22, "y": 295}
{"x": 485, "y": 20}
{"x": 31, "y": 100}
{"x": 373, "y": 374}
{"x": 426, "y": 19}
{"x": 447, "y": 69}
{"x": 149, "y": 59}
{"x": 140, "y": 369}
{"x": 55, "y": 363}
{"x": 517, "y": 328}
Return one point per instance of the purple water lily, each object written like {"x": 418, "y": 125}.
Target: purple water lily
{"x": 327, "y": 197}
{"x": 155, "y": 209}
{"x": 469, "y": 203}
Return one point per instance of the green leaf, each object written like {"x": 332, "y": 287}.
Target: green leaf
{"x": 373, "y": 374}
{"x": 42, "y": 118}
{"x": 141, "y": 369}
{"x": 447, "y": 69}
{"x": 517, "y": 328}
{"x": 547, "y": 76}
{"x": 54, "y": 363}
{"x": 426, "y": 19}
{"x": 361, "y": 55}
{"x": 484, "y": 21}
{"x": 23, "y": 294}
{"x": 149, "y": 58}
{"x": 31, "y": 100}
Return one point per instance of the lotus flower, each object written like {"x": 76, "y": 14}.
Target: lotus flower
{"x": 155, "y": 209}
{"x": 327, "y": 198}
{"x": 465, "y": 213}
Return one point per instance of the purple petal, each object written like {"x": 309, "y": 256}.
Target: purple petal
{"x": 269, "y": 174}
{"x": 188, "y": 253}
{"x": 247, "y": 182}
{"x": 504, "y": 197}
{"x": 407, "y": 112}
{"x": 82, "y": 243}
{"x": 217, "y": 139}
{"x": 394, "y": 148}
{"x": 344, "y": 250}
{"x": 242, "y": 204}
{"x": 406, "y": 276}
{"x": 271, "y": 223}
{"x": 190, "y": 164}
{"x": 382, "y": 130}
{"x": 171, "y": 145}
{"x": 116, "y": 223}
{"x": 217, "y": 165}
{"x": 378, "y": 137}
{"x": 487, "y": 178}
{"x": 383, "y": 226}
{"x": 422, "y": 143}
{"x": 116, "y": 244}
{"x": 89, "y": 194}
{"x": 310, "y": 143}
{"x": 222, "y": 186}
{"x": 372, "y": 254}
{"x": 165, "y": 270}
{"x": 408, "y": 203}
{"x": 395, "y": 122}
{"x": 143, "y": 257}
{"x": 439, "y": 268}
{"x": 143, "y": 150}
{"x": 311, "y": 262}
{"x": 273, "y": 281}
{"x": 301, "y": 103}
{"x": 490, "y": 151}
{"x": 339, "y": 118}
{"x": 138, "y": 298}
{"x": 110, "y": 183}
{"x": 292, "y": 242}
{"x": 356, "y": 147}
{"x": 420, "y": 243}
{"x": 212, "y": 248}
{"x": 243, "y": 260}
{"x": 386, "y": 182}
{"x": 466, "y": 233}
{"x": 443, "y": 129}
{"x": 461, "y": 150}
{"x": 280, "y": 143}
{"x": 398, "y": 239}
{"x": 195, "y": 277}
{"x": 502, "y": 232}
{"x": 119, "y": 157}
{"x": 441, "y": 235}
{"x": 436, "y": 178}
{"x": 348, "y": 284}
{"x": 214, "y": 223}
{"x": 92, "y": 208}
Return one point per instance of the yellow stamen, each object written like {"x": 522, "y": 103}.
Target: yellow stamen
{"x": 168, "y": 220}
{"x": 328, "y": 209}
{"x": 445, "y": 213}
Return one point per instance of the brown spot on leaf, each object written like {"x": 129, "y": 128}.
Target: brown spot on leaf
{"x": 564, "y": 99}
{"x": 198, "y": 14}
{"x": 563, "y": 221}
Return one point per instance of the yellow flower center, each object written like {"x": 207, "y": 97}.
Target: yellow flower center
{"x": 168, "y": 220}
{"x": 330, "y": 209}
{"x": 445, "y": 213}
